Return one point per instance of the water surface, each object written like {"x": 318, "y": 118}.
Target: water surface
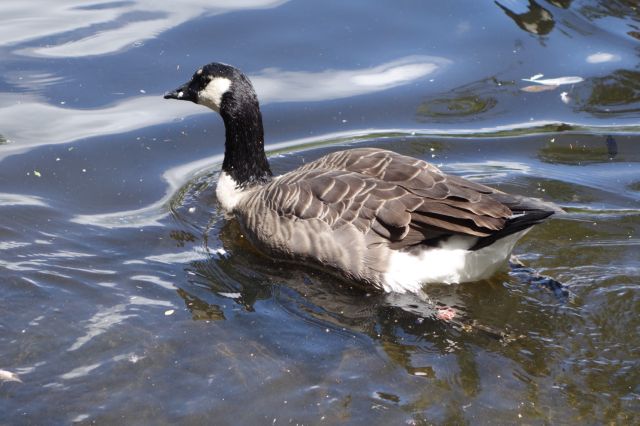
{"x": 127, "y": 296}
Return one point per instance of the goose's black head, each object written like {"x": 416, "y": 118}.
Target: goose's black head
{"x": 229, "y": 92}
{"x": 217, "y": 86}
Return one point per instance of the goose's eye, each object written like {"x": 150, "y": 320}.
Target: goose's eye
{"x": 204, "y": 81}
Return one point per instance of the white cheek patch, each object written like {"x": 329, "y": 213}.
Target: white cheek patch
{"x": 211, "y": 95}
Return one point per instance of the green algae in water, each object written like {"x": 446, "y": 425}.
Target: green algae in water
{"x": 634, "y": 186}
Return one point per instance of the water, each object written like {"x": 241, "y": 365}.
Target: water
{"x": 128, "y": 297}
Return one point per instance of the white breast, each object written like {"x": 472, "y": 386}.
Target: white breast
{"x": 228, "y": 193}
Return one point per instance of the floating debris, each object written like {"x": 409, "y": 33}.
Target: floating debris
{"x": 8, "y": 376}
{"x": 169, "y": 312}
{"x": 230, "y": 295}
{"x": 565, "y": 98}
{"x": 601, "y": 57}
{"x": 554, "y": 81}
{"x": 446, "y": 313}
{"x": 538, "y": 88}
{"x": 37, "y": 173}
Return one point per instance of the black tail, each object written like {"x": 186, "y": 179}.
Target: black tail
{"x": 526, "y": 213}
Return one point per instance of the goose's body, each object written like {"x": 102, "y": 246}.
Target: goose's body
{"x": 383, "y": 219}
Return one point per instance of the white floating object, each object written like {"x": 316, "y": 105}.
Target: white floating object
{"x": 230, "y": 295}
{"x": 600, "y": 57}
{"x": 564, "y": 97}
{"x": 535, "y": 77}
{"x": 8, "y": 376}
{"x": 555, "y": 81}
{"x": 168, "y": 312}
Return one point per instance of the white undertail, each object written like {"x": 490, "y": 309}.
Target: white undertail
{"x": 450, "y": 263}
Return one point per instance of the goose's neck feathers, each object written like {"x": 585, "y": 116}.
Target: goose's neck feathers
{"x": 244, "y": 158}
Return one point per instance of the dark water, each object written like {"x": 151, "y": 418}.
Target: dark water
{"x": 127, "y": 297}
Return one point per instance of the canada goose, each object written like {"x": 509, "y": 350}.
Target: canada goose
{"x": 374, "y": 216}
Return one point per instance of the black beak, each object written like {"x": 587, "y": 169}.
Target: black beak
{"x": 183, "y": 93}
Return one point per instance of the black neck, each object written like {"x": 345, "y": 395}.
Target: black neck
{"x": 244, "y": 157}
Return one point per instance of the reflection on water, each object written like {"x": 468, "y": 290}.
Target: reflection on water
{"x": 274, "y": 85}
{"x": 565, "y": 4}
{"x": 536, "y": 19}
{"x": 606, "y": 9}
{"x": 582, "y": 152}
{"x": 468, "y": 101}
{"x": 31, "y": 121}
{"x": 616, "y": 93}
{"x": 109, "y": 28}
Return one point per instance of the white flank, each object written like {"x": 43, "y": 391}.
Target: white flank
{"x": 450, "y": 263}
{"x": 228, "y": 192}
{"x": 211, "y": 95}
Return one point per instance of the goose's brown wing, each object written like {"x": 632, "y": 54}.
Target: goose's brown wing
{"x": 404, "y": 200}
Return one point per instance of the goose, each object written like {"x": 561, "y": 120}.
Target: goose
{"x": 375, "y": 217}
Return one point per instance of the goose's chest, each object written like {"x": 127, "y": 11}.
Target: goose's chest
{"x": 228, "y": 192}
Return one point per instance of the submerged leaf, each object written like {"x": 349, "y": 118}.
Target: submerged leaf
{"x": 538, "y": 88}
